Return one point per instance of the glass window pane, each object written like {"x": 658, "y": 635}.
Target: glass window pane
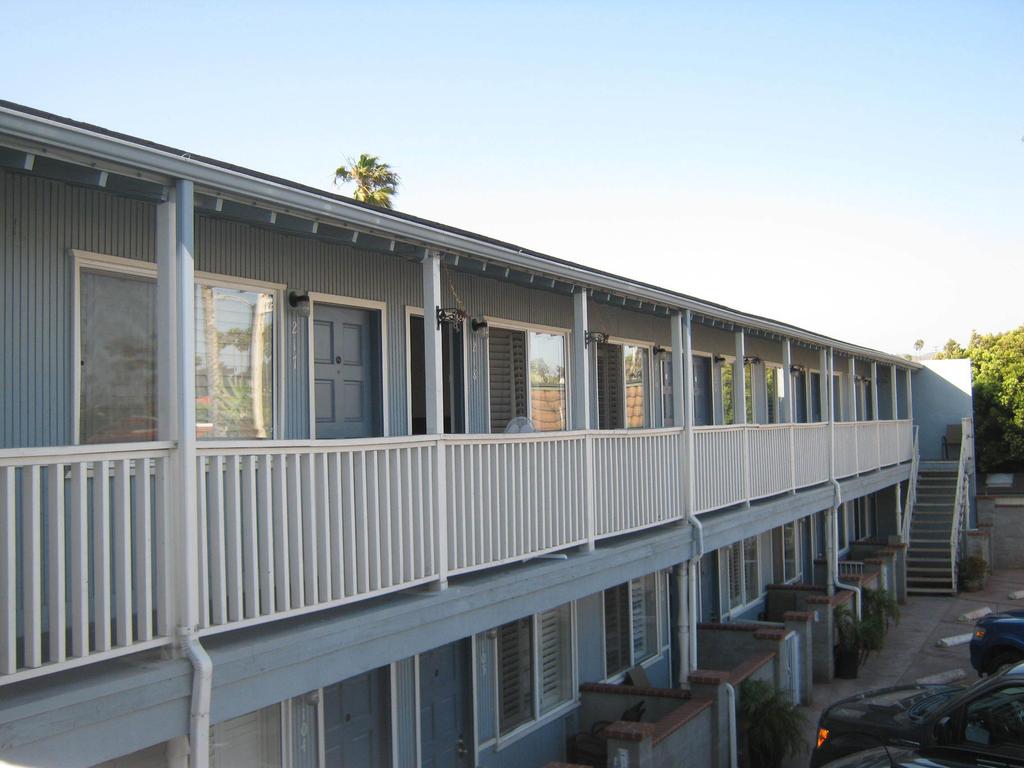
{"x": 118, "y": 364}
{"x": 547, "y": 381}
{"x": 635, "y": 360}
{"x": 234, "y": 363}
{"x": 616, "y": 629}
{"x": 506, "y": 376}
{"x": 667, "y": 402}
{"x": 555, "y": 657}
{"x": 727, "y": 398}
{"x": 773, "y": 391}
{"x": 996, "y": 719}
{"x": 789, "y": 550}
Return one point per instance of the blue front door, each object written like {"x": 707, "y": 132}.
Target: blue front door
{"x": 446, "y": 733}
{"x": 357, "y": 726}
{"x": 346, "y": 372}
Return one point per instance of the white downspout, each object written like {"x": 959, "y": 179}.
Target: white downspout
{"x": 832, "y": 543}
{"x": 202, "y": 680}
{"x": 730, "y": 694}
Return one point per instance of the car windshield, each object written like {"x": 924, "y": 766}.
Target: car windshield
{"x": 925, "y": 705}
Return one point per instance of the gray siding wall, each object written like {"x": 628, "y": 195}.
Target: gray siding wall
{"x": 39, "y": 221}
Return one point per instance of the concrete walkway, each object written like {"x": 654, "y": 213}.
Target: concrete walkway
{"x": 910, "y": 651}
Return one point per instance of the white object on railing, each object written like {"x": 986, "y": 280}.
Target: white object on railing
{"x": 89, "y": 519}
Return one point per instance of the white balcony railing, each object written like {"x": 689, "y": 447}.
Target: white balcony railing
{"x": 84, "y": 554}
{"x": 288, "y": 527}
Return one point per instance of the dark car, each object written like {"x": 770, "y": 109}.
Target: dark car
{"x": 998, "y": 641}
{"x": 979, "y": 725}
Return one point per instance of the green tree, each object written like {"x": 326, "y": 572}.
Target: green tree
{"x": 997, "y": 369}
{"x": 919, "y": 345}
{"x": 375, "y": 182}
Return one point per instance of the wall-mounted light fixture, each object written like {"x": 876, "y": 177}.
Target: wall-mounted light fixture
{"x": 719, "y": 359}
{"x": 660, "y": 352}
{"x": 751, "y": 360}
{"x": 596, "y": 337}
{"x": 299, "y": 302}
{"x": 450, "y": 316}
{"x": 479, "y": 326}
{"x": 797, "y": 369}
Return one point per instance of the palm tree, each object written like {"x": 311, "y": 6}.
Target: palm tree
{"x": 375, "y": 181}
{"x": 919, "y": 345}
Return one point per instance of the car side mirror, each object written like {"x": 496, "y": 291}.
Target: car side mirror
{"x": 943, "y": 730}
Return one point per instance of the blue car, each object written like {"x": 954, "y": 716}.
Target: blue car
{"x": 998, "y": 641}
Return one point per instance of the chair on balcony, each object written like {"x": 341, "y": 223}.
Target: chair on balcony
{"x": 518, "y": 425}
{"x": 951, "y": 441}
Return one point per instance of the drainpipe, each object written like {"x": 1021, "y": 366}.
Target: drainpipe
{"x": 199, "y": 720}
{"x": 682, "y": 372}
{"x": 832, "y": 536}
{"x": 730, "y": 694}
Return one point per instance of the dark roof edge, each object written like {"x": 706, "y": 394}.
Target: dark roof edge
{"x": 382, "y": 216}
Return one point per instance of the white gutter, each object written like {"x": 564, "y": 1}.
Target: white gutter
{"x": 834, "y": 535}
{"x": 35, "y": 129}
{"x": 202, "y": 680}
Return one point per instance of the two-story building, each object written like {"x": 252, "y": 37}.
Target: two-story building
{"x": 289, "y": 480}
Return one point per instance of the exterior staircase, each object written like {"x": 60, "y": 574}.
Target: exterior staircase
{"x": 929, "y": 557}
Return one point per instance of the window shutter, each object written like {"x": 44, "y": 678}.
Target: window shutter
{"x": 610, "y": 386}
{"x": 515, "y": 674}
{"x": 555, "y": 657}
{"x": 735, "y": 574}
{"x": 506, "y": 372}
{"x": 750, "y": 569}
{"x": 252, "y": 740}
{"x": 616, "y": 629}
{"x": 638, "y": 614}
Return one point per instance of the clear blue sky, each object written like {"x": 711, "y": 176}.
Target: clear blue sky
{"x": 853, "y": 167}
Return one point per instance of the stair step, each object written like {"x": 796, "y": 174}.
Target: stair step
{"x": 948, "y": 591}
{"x": 925, "y": 570}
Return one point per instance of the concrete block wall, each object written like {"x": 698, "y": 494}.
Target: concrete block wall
{"x": 801, "y": 623}
{"x": 1004, "y": 515}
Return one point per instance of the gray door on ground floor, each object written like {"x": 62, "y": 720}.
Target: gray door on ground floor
{"x": 446, "y": 732}
{"x": 357, "y": 723}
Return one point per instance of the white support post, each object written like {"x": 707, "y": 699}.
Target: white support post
{"x": 894, "y": 393}
{"x": 680, "y": 384}
{"x": 874, "y": 391}
{"x": 168, "y": 525}
{"x": 910, "y": 396}
{"x": 432, "y": 365}
{"x": 831, "y": 394}
{"x": 899, "y": 511}
{"x": 434, "y": 395}
{"x": 185, "y": 426}
{"x": 788, "y": 401}
{"x": 824, "y": 385}
{"x": 851, "y": 389}
{"x": 739, "y": 381}
{"x": 683, "y": 398}
{"x": 580, "y": 378}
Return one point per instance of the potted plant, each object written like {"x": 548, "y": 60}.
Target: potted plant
{"x": 881, "y": 606}
{"x": 848, "y": 642}
{"x": 973, "y": 572}
{"x": 772, "y": 725}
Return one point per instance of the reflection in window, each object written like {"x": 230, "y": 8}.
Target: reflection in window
{"x": 234, "y": 363}
{"x": 118, "y": 362}
{"x": 635, "y": 361}
{"x": 547, "y": 381}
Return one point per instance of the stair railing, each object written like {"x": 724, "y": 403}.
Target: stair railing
{"x": 908, "y": 511}
{"x": 961, "y": 506}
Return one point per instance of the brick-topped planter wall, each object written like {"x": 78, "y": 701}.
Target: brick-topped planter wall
{"x": 676, "y": 726}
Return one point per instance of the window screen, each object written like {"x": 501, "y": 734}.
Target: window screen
{"x": 118, "y": 357}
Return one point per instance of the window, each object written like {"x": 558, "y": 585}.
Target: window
{"x": 667, "y": 402}
{"x": 535, "y": 667}
{"x": 250, "y": 740}
{"x": 816, "y": 409}
{"x": 635, "y": 360}
{"x": 748, "y": 384}
{"x": 547, "y": 381}
{"x": 728, "y": 405}
{"x": 786, "y": 545}
{"x": 630, "y": 624}
{"x": 774, "y": 391}
{"x": 526, "y": 378}
{"x": 741, "y": 573}
{"x": 996, "y": 719}
{"x": 117, "y": 366}
{"x": 234, "y": 351}
{"x": 234, "y": 362}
